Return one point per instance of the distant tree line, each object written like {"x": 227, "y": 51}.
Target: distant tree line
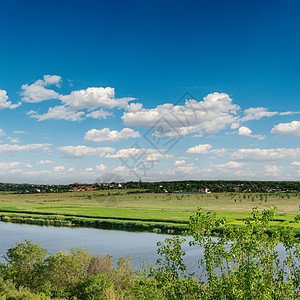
{"x": 215, "y": 186}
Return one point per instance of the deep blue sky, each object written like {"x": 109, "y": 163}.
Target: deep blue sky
{"x": 154, "y": 51}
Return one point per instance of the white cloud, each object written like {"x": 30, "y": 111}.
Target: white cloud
{"x": 200, "y": 149}
{"x": 94, "y": 97}
{"x": 38, "y": 92}
{"x": 264, "y": 154}
{"x": 52, "y": 80}
{"x": 10, "y": 165}
{"x": 45, "y": 162}
{"x": 134, "y": 107}
{"x": 271, "y": 169}
{"x": 105, "y": 135}
{"x": 245, "y": 131}
{"x": 59, "y": 168}
{"x": 235, "y": 125}
{"x": 58, "y": 113}
{"x": 296, "y": 164}
{"x": 292, "y": 129}
{"x": 83, "y": 151}
{"x": 88, "y": 99}
{"x": 119, "y": 169}
{"x": 4, "y": 103}
{"x": 127, "y": 153}
{"x": 7, "y": 148}
{"x": 13, "y": 140}
{"x": 99, "y": 114}
{"x": 256, "y": 113}
{"x": 89, "y": 170}
{"x": 288, "y": 113}
{"x": 71, "y": 170}
{"x": 230, "y": 165}
{"x": 101, "y": 167}
{"x": 219, "y": 152}
{"x": 213, "y": 114}
{"x": 139, "y": 155}
{"x": 179, "y": 162}
{"x": 155, "y": 156}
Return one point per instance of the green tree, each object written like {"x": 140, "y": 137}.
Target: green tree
{"x": 24, "y": 263}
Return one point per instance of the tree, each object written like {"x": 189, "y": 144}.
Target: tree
{"x": 24, "y": 262}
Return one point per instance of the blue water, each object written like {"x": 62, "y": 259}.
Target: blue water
{"x": 141, "y": 246}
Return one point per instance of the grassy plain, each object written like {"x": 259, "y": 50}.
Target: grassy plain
{"x": 173, "y": 208}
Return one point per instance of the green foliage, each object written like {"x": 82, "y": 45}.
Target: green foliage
{"x": 94, "y": 287}
{"x": 24, "y": 262}
{"x": 243, "y": 263}
{"x": 64, "y": 271}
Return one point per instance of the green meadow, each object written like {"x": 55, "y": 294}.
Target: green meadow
{"x": 135, "y": 206}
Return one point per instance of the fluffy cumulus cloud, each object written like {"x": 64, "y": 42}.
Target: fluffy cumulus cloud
{"x": 84, "y": 151}
{"x": 4, "y": 103}
{"x": 179, "y": 162}
{"x": 200, "y": 149}
{"x": 136, "y": 156}
{"x": 71, "y": 105}
{"x": 211, "y": 115}
{"x": 133, "y": 107}
{"x": 106, "y": 135}
{"x": 101, "y": 167}
{"x": 264, "y": 154}
{"x": 291, "y": 129}
{"x": 59, "y": 168}
{"x": 256, "y": 113}
{"x": 7, "y": 148}
{"x": 94, "y": 97}
{"x": 58, "y": 113}
{"x": 245, "y": 131}
{"x": 99, "y": 114}
{"x": 204, "y": 149}
{"x": 38, "y": 91}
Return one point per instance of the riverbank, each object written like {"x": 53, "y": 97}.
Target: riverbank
{"x": 165, "y": 227}
{"x": 92, "y": 222}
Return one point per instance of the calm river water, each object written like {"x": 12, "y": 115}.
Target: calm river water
{"x": 140, "y": 245}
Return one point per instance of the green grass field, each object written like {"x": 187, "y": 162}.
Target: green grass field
{"x": 119, "y": 204}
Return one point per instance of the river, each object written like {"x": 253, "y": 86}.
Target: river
{"x": 141, "y": 246}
